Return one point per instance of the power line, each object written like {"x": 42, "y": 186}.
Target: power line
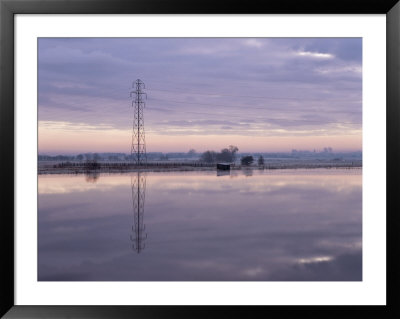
{"x": 231, "y": 115}
{"x": 248, "y": 96}
{"x": 244, "y": 106}
{"x": 265, "y": 120}
{"x": 248, "y": 83}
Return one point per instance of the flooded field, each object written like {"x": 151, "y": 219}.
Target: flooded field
{"x": 246, "y": 225}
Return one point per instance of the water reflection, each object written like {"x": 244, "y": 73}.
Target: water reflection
{"x": 277, "y": 225}
{"x": 247, "y": 171}
{"x": 138, "y": 184}
{"x": 223, "y": 172}
{"x": 92, "y": 176}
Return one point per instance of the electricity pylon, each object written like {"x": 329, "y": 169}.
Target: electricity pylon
{"x": 138, "y": 148}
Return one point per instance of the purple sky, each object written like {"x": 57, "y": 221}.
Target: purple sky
{"x": 261, "y": 94}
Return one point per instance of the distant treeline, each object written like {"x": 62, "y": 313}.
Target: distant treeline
{"x": 229, "y": 154}
{"x": 226, "y": 155}
{"x": 91, "y": 165}
{"x": 115, "y": 157}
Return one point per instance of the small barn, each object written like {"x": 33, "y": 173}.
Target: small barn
{"x": 224, "y": 166}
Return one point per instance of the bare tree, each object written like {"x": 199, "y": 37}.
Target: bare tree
{"x": 208, "y": 157}
{"x": 233, "y": 149}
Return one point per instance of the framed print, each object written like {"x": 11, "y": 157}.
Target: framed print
{"x": 167, "y": 158}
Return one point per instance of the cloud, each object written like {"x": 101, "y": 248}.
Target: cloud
{"x": 253, "y": 43}
{"x": 315, "y": 259}
{"x": 196, "y": 82}
{"x": 201, "y": 123}
{"x": 346, "y": 267}
{"x": 344, "y": 69}
{"x": 60, "y": 125}
{"x": 316, "y": 55}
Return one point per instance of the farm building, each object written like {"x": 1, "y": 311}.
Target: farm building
{"x": 224, "y": 166}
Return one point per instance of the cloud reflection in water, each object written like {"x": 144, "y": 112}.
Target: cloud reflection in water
{"x": 295, "y": 226}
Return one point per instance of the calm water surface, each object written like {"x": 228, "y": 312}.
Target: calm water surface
{"x": 284, "y": 225}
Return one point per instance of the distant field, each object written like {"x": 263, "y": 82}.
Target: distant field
{"x": 59, "y": 167}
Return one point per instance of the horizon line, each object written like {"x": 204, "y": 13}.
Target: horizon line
{"x": 55, "y": 153}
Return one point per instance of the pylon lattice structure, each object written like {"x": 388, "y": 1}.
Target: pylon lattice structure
{"x": 138, "y": 236}
{"x": 138, "y": 148}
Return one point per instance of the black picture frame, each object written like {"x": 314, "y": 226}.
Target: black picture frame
{"x": 8, "y": 8}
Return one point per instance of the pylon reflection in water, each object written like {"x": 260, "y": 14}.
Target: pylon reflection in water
{"x": 138, "y": 236}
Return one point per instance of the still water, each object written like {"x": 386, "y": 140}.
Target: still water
{"x": 283, "y": 225}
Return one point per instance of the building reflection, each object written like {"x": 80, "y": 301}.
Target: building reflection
{"x": 138, "y": 236}
{"x": 223, "y": 173}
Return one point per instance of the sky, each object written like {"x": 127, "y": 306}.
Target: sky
{"x": 260, "y": 94}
